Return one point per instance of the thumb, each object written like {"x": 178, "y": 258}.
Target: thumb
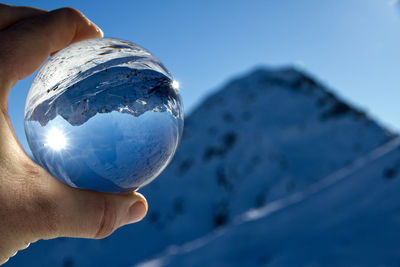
{"x": 71, "y": 212}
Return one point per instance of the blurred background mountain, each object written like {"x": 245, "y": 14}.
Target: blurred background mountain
{"x": 275, "y": 167}
{"x": 272, "y": 168}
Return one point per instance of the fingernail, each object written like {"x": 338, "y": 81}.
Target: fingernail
{"x": 98, "y": 29}
{"x": 137, "y": 211}
{"x": 101, "y": 32}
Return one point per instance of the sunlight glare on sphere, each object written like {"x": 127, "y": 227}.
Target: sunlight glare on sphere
{"x": 175, "y": 84}
{"x": 104, "y": 114}
{"x": 56, "y": 139}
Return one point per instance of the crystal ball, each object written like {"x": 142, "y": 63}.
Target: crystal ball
{"x": 105, "y": 115}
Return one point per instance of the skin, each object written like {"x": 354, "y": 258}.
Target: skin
{"x": 34, "y": 205}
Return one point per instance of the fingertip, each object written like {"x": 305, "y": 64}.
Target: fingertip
{"x": 143, "y": 200}
{"x": 137, "y": 212}
{"x": 138, "y": 209}
{"x": 85, "y": 28}
{"x": 98, "y": 30}
{"x": 141, "y": 197}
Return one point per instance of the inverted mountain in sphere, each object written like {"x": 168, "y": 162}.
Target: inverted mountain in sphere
{"x": 101, "y": 76}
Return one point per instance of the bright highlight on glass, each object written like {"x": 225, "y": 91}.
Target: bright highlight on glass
{"x": 175, "y": 84}
{"x": 55, "y": 139}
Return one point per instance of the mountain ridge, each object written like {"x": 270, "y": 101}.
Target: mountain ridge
{"x": 262, "y": 137}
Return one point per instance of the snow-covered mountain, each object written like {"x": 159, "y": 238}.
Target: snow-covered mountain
{"x": 350, "y": 218}
{"x": 266, "y": 137}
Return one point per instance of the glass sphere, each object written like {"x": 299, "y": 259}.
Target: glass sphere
{"x": 104, "y": 114}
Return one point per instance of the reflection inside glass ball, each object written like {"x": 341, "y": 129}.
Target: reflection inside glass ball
{"x": 104, "y": 114}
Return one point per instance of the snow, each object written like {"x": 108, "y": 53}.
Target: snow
{"x": 264, "y": 144}
{"x": 350, "y": 218}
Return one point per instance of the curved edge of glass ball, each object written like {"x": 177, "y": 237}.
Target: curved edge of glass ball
{"x": 110, "y": 92}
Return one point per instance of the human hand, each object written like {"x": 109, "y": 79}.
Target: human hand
{"x": 34, "y": 205}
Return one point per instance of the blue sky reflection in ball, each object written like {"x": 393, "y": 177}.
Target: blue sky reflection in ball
{"x": 104, "y": 114}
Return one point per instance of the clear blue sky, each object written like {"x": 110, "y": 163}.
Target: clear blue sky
{"x": 351, "y": 45}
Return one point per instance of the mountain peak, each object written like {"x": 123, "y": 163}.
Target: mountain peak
{"x": 269, "y": 90}
{"x": 288, "y": 75}
{"x": 262, "y": 137}
{"x": 284, "y": 72}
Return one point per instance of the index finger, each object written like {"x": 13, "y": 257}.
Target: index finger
{"x": 26, "y": 45}
{"x": 10, "y": 15}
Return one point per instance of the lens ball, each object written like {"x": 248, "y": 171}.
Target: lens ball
{"x": 104, "y": 114}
